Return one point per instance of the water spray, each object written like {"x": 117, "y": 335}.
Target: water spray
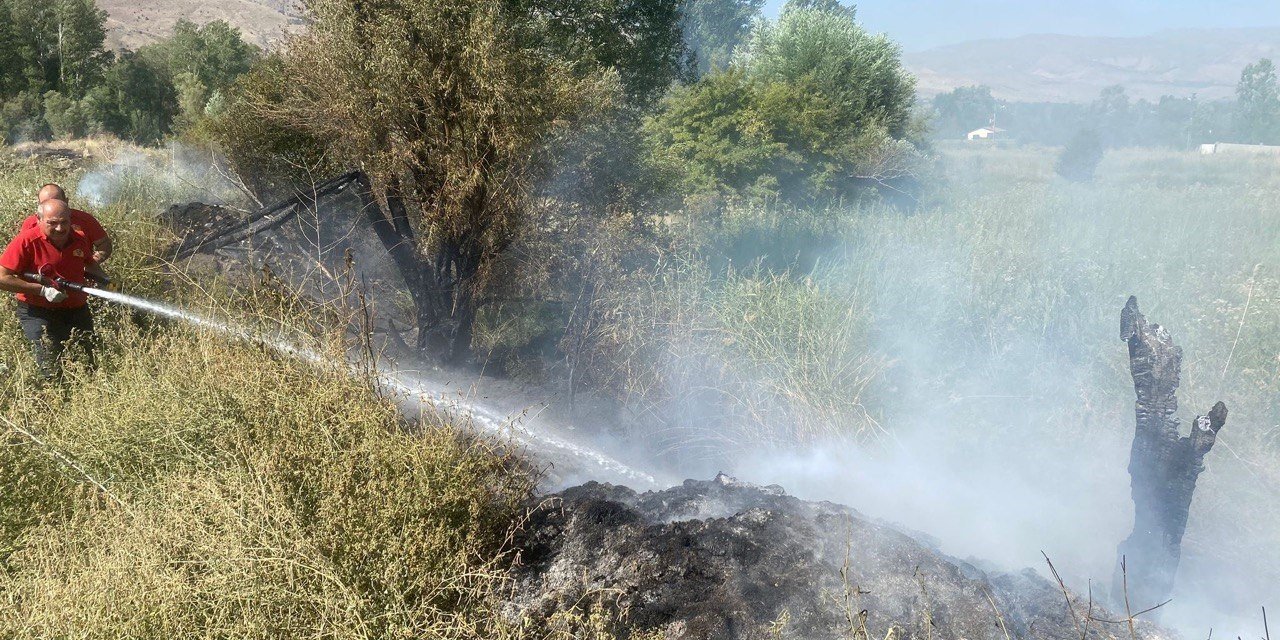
{"x": 405, "y": 386}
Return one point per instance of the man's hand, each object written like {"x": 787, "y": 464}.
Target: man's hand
{"x": 52, "y": 295}
{"x": 98, "y": 276}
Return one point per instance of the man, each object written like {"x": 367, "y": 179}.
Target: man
{"x": 79, "y": 220}
{"x": 54, "y": 249}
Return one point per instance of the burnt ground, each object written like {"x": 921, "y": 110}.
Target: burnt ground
{"x": 722, "y": 559}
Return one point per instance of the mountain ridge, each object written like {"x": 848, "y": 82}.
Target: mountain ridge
{"x": 135, "y": 23}
{"x": 1205, "y": 62}
{"x": 1042, "y": 67}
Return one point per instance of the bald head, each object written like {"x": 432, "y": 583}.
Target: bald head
{"x": 55, "y": 207}
{"x": 52, "y": 191}
{"x": 55, "y": 221}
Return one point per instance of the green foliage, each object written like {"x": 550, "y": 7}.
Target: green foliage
{"x": 1258, "y": 104}
{"x": 1079, "y": 159}
{"x": 714, "y": 28}
{"x": 56, "y": 46}
{"x": 1174, "y": 122}
{"x": 135, "y": 101}
{"x": 1111, "y": 117}
{"x": 810, "y": 116}
{"x": 215, "y": 53}
{"x": 962, "y": 110}
{"x": 859, "y": 73}
{"x": 12, "y": 76}
{"x": 447, "y": 107}
{"x": 640, "y": 39}
{"x": 66, "y": 117}
{"x": 81, "y": 56}
{"x": 56, "y": 49}
{"x": 271, "y": 155}
{"x": 709, "y": 136}
{"x": 21, "y": 118}
{"x": 826, "y": 6}
{"x": 198, "y": 61}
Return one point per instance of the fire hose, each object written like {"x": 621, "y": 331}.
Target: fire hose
{"x": 44, "y": 278}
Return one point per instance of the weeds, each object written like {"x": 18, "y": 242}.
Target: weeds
{"x": 195, "y": 486}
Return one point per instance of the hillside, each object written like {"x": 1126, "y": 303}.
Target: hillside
{"x": 133, "y": 23}
{"x": 1031, "y": 68}
{"x": 1058, "y": 68}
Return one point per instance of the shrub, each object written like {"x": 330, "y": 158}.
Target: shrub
{"x": 1079, "y": 159}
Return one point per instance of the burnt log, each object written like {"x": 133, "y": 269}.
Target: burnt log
{"x": 1163, "y": 464}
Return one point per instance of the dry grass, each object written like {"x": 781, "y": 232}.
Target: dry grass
{"x": 196, "y": 486}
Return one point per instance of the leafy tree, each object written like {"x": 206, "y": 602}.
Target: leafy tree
{"x": 21, "y": 118}
{"x": 1111, "y": 116}
{"x": 1258, "y": 104}
{"x": 80, "y": 37}
{"x": 193, "y": 96}
{"x": 707, "y": 134}
{"x": 66, "y": 117}
{"x": 35, "y": 33}
{"x": 135, "y": 101}
{"x": 828, "y": 6}
{"x": 962, "y": 110}
{"x": 641, "y": 39}
{"x": 60, "y": 44}
{"x": 1080, "y": 158}
{"x": 199, "y": 60}
{"x": 215, "y": 54}
{"x": 445, "y": 104}
{"x": 861, "y": 74}
{"x": 714, "y": 28}
{"x": 1212, "y": 121}
{"x": 12, "y": 71}
{"x": 272, "y": 155}
{"x": 1174, "y": 120}
{"x": 809, "y": 116}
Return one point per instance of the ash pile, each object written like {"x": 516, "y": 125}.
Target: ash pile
{"x": 723, "y": 560}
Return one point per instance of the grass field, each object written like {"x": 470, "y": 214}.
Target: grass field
{"x": 995, "y": 312}
{"x": 958, "y": 368}
{"x": 191, "y": 486}
{"x": 970, "y": 350}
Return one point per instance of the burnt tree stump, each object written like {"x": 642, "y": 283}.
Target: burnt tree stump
{"x": 1163, "y": 465}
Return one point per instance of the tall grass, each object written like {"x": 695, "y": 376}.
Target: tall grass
{"x": 195, "y": 486}
{"x": 982, "y": 326}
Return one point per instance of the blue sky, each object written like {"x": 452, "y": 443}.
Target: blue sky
{"x": 920, "y": 24}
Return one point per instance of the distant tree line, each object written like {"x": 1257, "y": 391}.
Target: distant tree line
{"x": 1117, "y": 120}
{"x": 57, "y": 79}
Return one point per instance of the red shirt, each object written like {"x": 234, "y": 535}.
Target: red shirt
{"x": 80, "y": 221}
{"x": 30, "y": 251}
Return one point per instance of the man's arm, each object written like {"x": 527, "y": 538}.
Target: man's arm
{"x": 95, "y": 271}
{"x": 102, "y": 249}
{"x": 10, "y": 281}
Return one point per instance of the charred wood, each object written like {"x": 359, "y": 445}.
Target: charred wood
{"x": 1163, "y": 464}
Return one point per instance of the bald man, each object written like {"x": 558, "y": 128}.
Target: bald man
{"x": 51, "y": 317}
{"x": 79, "y": 219}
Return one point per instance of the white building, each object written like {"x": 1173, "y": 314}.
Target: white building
{"x": 985, "y": 133}
{"x": 1240, "y": 149}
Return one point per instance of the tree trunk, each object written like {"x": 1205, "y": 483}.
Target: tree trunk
{"x": 1163, "y": 466}
{"x": 396, "y": 234}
